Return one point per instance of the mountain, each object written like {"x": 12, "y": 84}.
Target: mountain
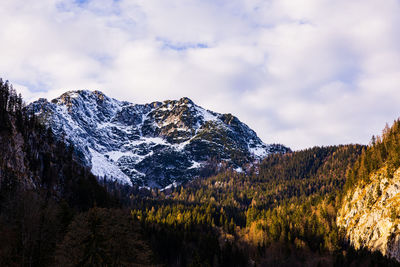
{"x": 32, "y": 160}
{"x": 371, "y": 205}
{"x": 155, "y": 145}
{"x": 279, "y": 212}
{"x": 41, "y": 188}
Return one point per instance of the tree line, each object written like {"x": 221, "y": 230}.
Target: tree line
{"x": 280, "y": 212}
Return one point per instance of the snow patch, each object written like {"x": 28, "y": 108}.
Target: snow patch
{"x": 102, "y": 167}
{"x": 116, "y": 155}
{"x": 259, "y": 151}
{"x": 207, "y": 115}
{"x": 154, "y": 140}
{"x": 173, "y": 185}
{"x": 145, "y": 187}
{"x": 73, "y": 94}
{"x": 238, "y": 170}
{"x": 195, "y": 165}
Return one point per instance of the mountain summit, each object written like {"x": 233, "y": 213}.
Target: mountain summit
{"x": 154, "y": 144}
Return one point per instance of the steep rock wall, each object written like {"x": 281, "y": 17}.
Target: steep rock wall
{"x": 370, "y": 214}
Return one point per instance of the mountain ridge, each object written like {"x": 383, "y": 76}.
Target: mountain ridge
{"x": 156, "y": 144}
{"x": 287, "y": 202}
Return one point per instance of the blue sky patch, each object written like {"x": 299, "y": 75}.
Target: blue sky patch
{"x": 166, "y": 44}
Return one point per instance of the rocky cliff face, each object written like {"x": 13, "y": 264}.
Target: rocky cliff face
{"x": 370, "y": 214}
{"x": 156, "y": 144}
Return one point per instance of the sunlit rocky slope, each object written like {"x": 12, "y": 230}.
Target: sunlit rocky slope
{"x": 370, "y": 214}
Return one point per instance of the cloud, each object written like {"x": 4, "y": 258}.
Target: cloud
{"x": 301, "y": 73}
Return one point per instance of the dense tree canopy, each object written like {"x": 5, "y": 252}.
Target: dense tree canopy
{"x": 280, "y": 212}
{"x": 383, "y": 151}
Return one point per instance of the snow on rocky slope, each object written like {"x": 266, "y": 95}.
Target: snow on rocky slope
{"x": 154, "y": 144}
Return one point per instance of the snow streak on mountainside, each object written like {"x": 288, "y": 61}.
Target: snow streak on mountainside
{"x": 153, "y": 145}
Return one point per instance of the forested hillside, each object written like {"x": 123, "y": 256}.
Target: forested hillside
{"x": 43, "y": 193}
{"x": 279, "y": 212}
{"x": 370, "y": 209}
{"x": 383, "y": 151}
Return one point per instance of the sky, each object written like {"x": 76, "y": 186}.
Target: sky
{"x": 299, "y": 72}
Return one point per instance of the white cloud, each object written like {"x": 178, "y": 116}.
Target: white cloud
{"x": 299, "y": 72}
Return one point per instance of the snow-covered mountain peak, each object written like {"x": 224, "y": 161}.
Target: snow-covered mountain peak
{"x": 154, "y": 144}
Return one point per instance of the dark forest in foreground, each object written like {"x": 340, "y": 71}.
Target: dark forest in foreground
{"x": 280, "y": 212}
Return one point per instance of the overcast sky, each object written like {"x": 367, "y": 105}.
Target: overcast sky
{"x": 299, "y": 72}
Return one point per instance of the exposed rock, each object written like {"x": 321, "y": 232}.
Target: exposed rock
{"x": 154, "y": 144}
{"x": 370, "y": 214}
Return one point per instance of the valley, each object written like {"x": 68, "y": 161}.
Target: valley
{"x": 87, "y": 180}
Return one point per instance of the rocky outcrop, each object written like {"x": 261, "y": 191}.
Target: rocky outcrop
{"x": 156, "y": 144}
{"x": 370, "y": 214}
